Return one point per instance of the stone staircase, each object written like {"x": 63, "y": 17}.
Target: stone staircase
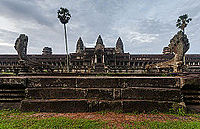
{"x": 89, "y": 94}
{"x": 11, "y": 96}
{"x": 99, "y": 68}
{"x": 191, "y": 94}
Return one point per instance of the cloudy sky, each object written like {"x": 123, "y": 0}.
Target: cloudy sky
{"x": 145, "y": 26}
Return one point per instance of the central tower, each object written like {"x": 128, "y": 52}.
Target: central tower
{"x": 99, "y": 56}
{"x": 99, "y": 51}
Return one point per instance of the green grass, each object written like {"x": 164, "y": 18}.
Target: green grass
{"x": 10, "y": 73}
{"x": 19, "y": 120}
{"x": 12, "y": 119}
{"x": 53, "y": 122}
{"x": 163, "y": 125}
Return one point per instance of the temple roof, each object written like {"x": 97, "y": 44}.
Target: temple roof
{"x": 119, "y": 42}
{"x": 99, "y": 40}
{"x": 80, "y": 41}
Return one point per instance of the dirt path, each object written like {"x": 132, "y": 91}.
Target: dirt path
{"x": 118, "y": 118}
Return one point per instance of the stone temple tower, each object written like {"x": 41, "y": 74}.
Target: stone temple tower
{"x": 119, "y": 46}
{"x": 47, "y": 51}
{"x": 99, "y": 43}
{"x": 79, "y": 46}
{"x": 99, "y": 51}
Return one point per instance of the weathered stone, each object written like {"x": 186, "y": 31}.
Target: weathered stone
{"x": 10, "y": 105}
{"x": 157, "y": 94}
{"x": 98, "y": 82}
{"x": 106, "y": 94}
{"x": 150, "y": 82}
{"x": 11, "y": 93}
{"x": 110, "y": 106}
{"x": 83, "y": 105}
{"x": 191, "y": 83}
{"x": 93, "y": 105}
{"x": 55, "y": 93}
{"x": 51, "y": 82}
{"x": 178, "y": 46}
{"x": 69, "y": 93}
{"x": 82, "y": 94}
{"x": 55, "y": 105}
{"x": 146, "y": 106}
{"x": 117, "y": 93}
{"x": 13, "y": 80}
{"x": 191, "y": 93}
{"x": 193, "y": 108}
{"x": 21, "y": 46}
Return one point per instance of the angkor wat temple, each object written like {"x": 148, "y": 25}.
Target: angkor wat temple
{"x": 99, "y": 59}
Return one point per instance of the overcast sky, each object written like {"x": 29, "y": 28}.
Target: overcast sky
{"x": 145, "y": 26}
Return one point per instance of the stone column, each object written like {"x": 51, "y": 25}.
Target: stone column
{"x": 95, "y": 59}
{"x": 103, "y": 59}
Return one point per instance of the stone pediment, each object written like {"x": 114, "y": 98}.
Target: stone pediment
{"x": 99, "y": 47}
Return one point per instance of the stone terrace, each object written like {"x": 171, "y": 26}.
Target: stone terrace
{"x": 88, "y": 94}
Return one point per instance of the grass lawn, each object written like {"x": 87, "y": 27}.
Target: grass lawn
{"x": 164, "y": 125}
{"x": 10, "y": 119}
{"x": 7, "y": 73}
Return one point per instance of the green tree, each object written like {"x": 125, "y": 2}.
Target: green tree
{"x": 182, "y": 22}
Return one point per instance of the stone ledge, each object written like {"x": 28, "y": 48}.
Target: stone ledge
{"x": 84, "y": 105}
{"x": 92, "y": 81}
{"x": 10, "y": 105}
{"x": 159, "y": 94}
{"x": 85, "y": 82}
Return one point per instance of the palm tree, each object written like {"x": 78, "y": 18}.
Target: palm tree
{"x": 182, "y": 22}
{"x": 64, "y": 16}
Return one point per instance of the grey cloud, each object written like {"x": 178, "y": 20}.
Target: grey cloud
{"x": 7, "y": 41}
{"x": 144, "y": 26}
{"x": 24, "y": 10}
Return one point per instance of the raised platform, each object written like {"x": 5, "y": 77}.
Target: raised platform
{"x": 97, "y": 93}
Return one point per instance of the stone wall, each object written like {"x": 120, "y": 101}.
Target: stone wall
{"x": 96, "y": 93}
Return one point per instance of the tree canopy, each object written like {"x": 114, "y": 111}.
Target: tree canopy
{"x": 182, "y": 22}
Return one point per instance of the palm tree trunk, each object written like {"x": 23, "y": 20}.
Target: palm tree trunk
{"x": 67, "y": 65}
